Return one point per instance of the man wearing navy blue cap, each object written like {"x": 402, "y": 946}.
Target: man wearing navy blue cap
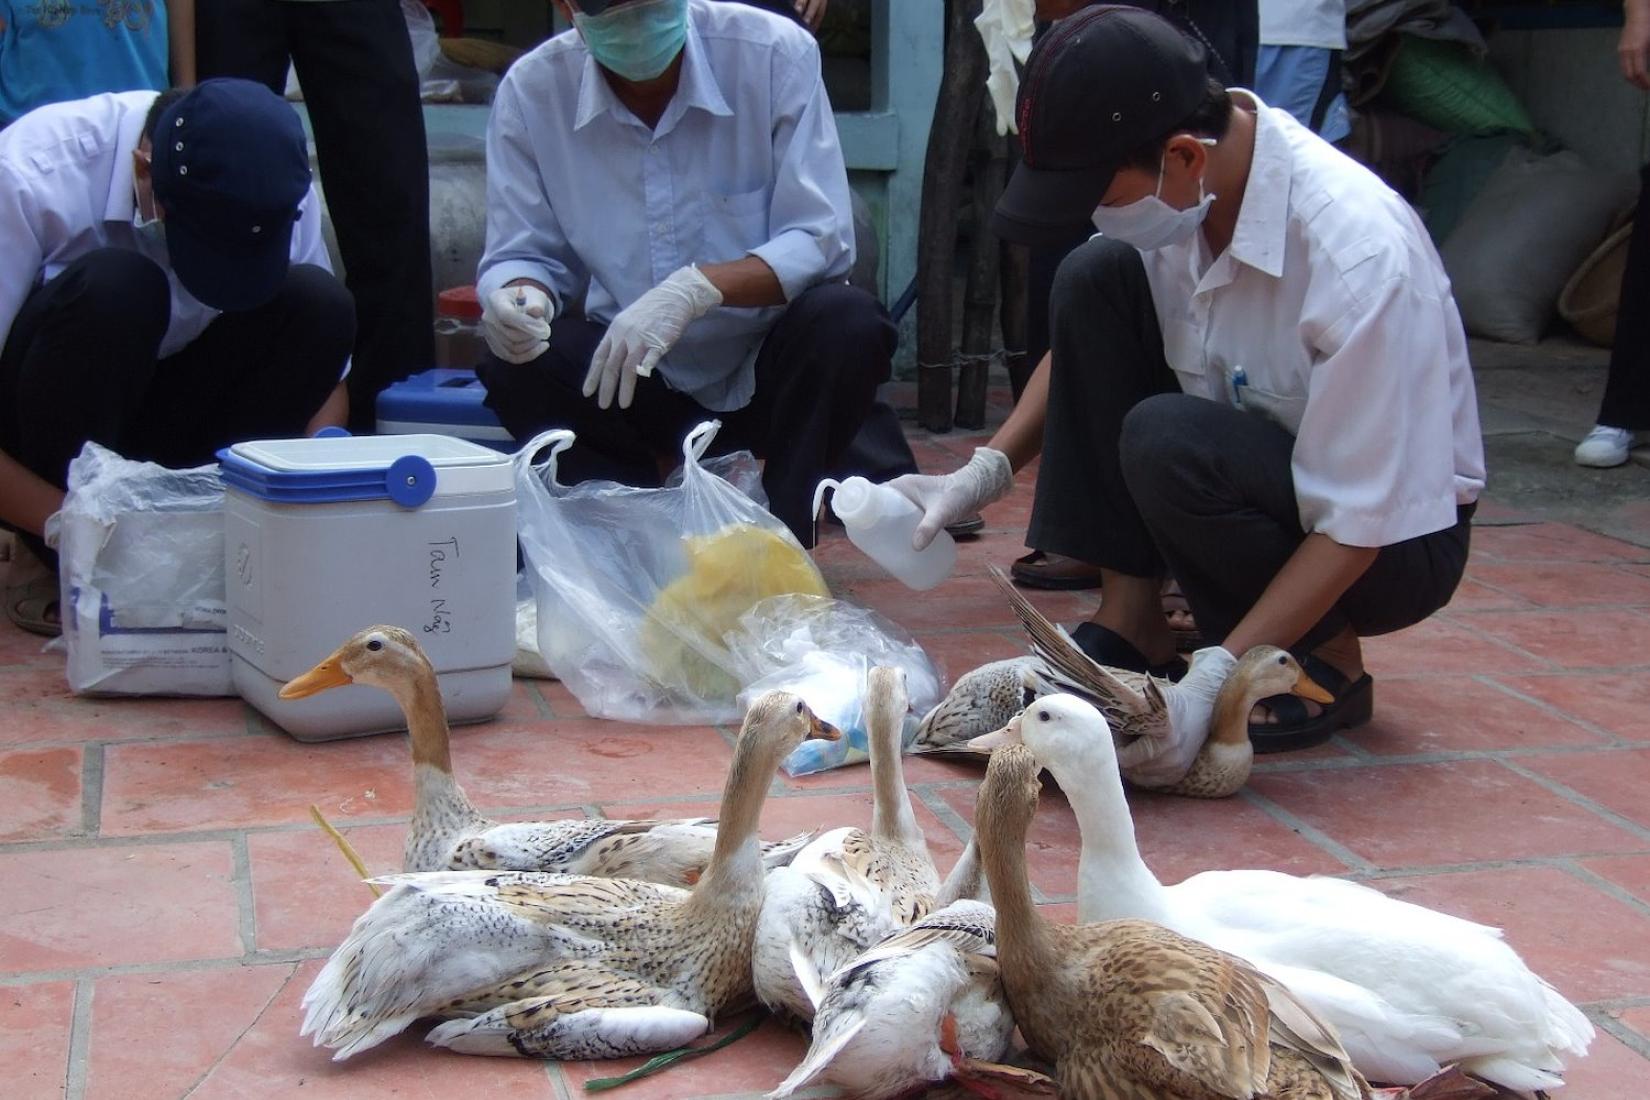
{"x": 164, "y": 290}
{"x": 1258, "y": 382}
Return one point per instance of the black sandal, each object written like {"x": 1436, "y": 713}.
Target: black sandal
{"x": 1297, "y": 729}
{"x": 1111, "y": 649}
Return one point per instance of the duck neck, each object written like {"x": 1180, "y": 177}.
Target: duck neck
{"x": 1024, "y": 940}
{"x": 1112, "y": 880}
{"x": 892, "y": 818}
{"x": 1229, "y": 720}
{"x": 440, "y": 806}
{"x": 736, "y": 861}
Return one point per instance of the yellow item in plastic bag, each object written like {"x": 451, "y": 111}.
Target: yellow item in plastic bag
{"x": 728, "y": 573}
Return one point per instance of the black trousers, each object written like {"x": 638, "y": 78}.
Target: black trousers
{"x": 355, "y": 63}
{"x": 1141, "y": 478}
{"x": 816, "y": 380}
{"x": 815, "y": 383}
{"x": 81, "y": 363}
{"x": 1626, "y": 401}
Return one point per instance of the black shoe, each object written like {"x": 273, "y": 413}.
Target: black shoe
{"x": 1296, "y": 728}
{"x": 1109, "y": 648}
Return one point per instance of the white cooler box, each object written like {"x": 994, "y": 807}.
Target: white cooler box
{"x": 324, "y": 537}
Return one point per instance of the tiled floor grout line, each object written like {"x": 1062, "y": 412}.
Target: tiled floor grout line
{"x": 1433, "y": 870}
{"x": 285, "y": 957}
{"x": 1352, "y": 860}
{"x": 1462, "y": 619}
{"x": 80, "y": 1041}
{"x": 1443, "y": 756}
{"x": 1598, "y": 882}
{"x": 245, "y": 900}
{"x": 91, "y": 789}
{"x": 1578, "y": 799}
{"x": 1556, "y": 711}
{"x": 929, "y": 796}
{"x": 1620, "y": 1031}
{"x": 540, "y": 703}
{"x": 558, "y": 1081}
{"x": 230, "y": 1048}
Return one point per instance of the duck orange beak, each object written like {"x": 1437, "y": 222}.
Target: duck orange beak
{"x": 1308, "y": 688}
{"x": 1008, "y": 735}
{"x": 821, "y": 730}
{"x": 323, "y": 677}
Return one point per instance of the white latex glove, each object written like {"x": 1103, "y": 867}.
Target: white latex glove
{"x": 516, "y": 322}
{"x": 1005, "y": 27}
{"x": 643, "y": 333}
{"x": 1163, "y": 761}
{"x": 946, "y": 499}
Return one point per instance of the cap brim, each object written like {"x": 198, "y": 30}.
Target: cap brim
{"x": 1043, "y": 206}
{"x": 227, "y": 279}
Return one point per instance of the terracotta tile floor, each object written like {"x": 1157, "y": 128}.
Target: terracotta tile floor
{"x": 164, "y": 899}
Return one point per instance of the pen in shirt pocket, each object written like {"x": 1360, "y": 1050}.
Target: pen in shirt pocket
{"x": 1240, "y": 379}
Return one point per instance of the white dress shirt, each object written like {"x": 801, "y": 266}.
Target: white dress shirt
{"x": 1320, "y": 23}
{"x": 585, "y": 199}
{"x": 66, "y": 189}
{"x": 1331, "y": 313}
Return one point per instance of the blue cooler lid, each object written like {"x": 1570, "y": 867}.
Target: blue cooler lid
{"x": 441, "y": 396}
{"x": 406, "y": 469}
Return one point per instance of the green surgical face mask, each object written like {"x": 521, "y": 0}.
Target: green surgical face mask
{"x": 636, "y": 41}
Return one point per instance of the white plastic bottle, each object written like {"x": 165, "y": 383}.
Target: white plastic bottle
{"x": 881, "y": 523}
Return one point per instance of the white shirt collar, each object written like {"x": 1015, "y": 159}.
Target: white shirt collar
{"x": 698, "y": 88}
{"x": 122, "y": 204}
{"x": 1263, "y": 218}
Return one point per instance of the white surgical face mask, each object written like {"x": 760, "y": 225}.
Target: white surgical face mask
{"x": 149, "y": 226}
{"x": 1149, "y": 222}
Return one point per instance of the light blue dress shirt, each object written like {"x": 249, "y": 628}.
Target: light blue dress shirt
{"x": 585, "y": 199}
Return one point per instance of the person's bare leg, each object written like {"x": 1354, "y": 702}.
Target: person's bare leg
{"x": 1132, "y": 607}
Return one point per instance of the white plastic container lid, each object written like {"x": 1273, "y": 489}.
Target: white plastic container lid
{"x": 461, "y": 467}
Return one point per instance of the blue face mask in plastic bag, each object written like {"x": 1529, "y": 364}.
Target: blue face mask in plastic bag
{"x": 638, "y": 40}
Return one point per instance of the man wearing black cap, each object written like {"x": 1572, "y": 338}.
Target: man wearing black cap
{"x": 1258, "y": 381}
{"x": 164, "y": 291}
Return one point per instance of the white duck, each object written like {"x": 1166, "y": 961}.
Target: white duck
{"x": 848, "y": 889}
{"x": 447, "y": 832}
{"x": 565, "y": 966}
{"x": 1410, "y": 990}
{"x": 923, "y": 1005}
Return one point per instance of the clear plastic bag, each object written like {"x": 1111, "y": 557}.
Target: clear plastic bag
{"x": 140, "y": 552}
{"x": 823, "y": 650}
{"x": 638, "y": 588}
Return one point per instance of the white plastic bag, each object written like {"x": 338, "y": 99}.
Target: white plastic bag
{"x": 823, "y": 650}
{"x": 637, "y": 588}
{"x": 140, "y": 552}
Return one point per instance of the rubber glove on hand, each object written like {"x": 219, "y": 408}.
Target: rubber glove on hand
{"x": 955, "y": 496}
{"x": 644, "y": 333}
{"x": 1164, "y": 761}
{"x": 516, "y": 322}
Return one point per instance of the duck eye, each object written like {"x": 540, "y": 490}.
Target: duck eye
{"x": 800, "y": 706}
{"x": 1042, "y": 716}
{"x": 375, "y": 644}
{"x": 1283, "y": 659}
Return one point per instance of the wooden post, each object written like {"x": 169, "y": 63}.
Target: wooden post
{"x": 949, "y": 139}
{"x": 1016, "y": 270}
{"x": 990, "y": 166}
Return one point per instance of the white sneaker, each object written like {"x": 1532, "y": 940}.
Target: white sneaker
{"x": 1605, "y": 446}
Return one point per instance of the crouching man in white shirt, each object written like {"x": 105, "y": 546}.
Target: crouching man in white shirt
{"x": 164, "y": 291}
{"x": 1258, "y": 381}
{"x": 669, "y": 232}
